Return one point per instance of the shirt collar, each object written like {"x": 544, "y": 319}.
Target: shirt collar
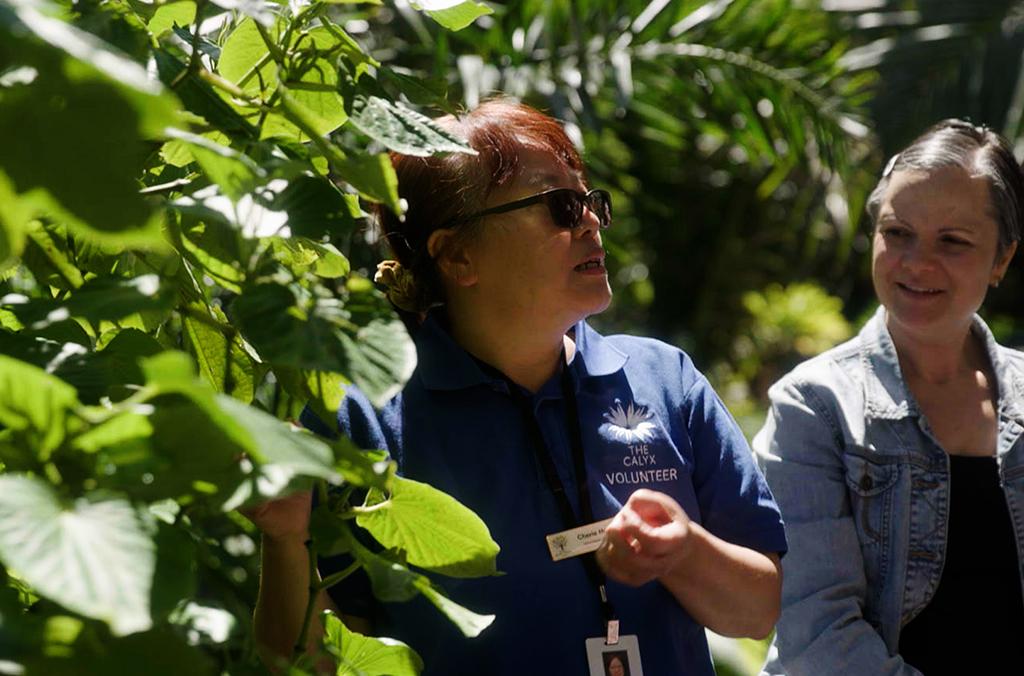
{"x": 445, "y": 365}
{"x": 886, "y": 392}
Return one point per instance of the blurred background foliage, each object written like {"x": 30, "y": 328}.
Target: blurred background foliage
{"x": 740, "y": 139}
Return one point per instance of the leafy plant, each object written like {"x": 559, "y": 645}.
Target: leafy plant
{"x": 181, "y": 191}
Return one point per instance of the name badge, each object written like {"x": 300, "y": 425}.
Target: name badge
{"x": 575, "y": 541}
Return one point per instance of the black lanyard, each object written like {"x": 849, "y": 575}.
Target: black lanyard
{"x": 540, "y": 449}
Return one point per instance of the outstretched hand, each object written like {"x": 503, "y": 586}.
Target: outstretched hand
{"x": 647, "y": 538}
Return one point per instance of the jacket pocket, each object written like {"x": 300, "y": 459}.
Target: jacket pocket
{"x": 870, "y": 483}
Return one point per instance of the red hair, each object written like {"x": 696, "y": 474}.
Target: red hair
{"x": 448, "y": 188}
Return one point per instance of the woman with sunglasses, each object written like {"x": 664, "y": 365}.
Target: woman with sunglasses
{"x": 898, "y": 457}
{"x": 539, "y": 424}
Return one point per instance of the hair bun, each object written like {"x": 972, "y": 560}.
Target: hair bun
{"x": 399, "y": 285}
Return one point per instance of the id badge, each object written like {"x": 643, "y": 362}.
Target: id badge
{"x": 576, "y": 541}
{"x": 619, "y": 659}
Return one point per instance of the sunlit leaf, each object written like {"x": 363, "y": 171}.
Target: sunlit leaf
{"x": 453, "y": 14}
{"x": 402, "y": 130}
{"x": 433, "y": 530}
{"x": 361, "y": 655}
{"x": 95, "y": 557}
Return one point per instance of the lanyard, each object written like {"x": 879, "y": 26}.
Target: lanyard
{"x": 543, "y": 454}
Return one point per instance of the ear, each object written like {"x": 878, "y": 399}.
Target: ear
{"x": 452, "y": 256}
{"x": 1002, "y": 262}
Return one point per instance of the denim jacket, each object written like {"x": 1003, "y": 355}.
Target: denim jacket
{"x": 864, "y": 490}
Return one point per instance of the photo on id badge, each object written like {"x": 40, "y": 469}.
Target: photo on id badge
{"x": 619, "y": 659}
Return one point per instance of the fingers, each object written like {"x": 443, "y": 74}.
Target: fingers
{"x": 645, "y": 539}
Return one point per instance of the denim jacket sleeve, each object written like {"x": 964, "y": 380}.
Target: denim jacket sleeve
{"x": 822, "y": 629}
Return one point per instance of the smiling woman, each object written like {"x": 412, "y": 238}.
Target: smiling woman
{"x": 864, "y": 443}
{"x": 552, "y": 433}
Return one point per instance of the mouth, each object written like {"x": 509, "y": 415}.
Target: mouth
{"x": 595, "y": 263}
{"x": 920, "y": 290}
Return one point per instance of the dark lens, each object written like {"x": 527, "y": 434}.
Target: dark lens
{"x": 566, "y": 207}
{"x": 600, "y": 202}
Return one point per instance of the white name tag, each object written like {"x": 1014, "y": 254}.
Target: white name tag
{"x": 575, "y": 541}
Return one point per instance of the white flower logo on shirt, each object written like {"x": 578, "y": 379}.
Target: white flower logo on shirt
{"x": 629, "y": 425}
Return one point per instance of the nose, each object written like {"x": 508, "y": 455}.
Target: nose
{"x": 917, "y": 256}
{"x": 590, "y": 225}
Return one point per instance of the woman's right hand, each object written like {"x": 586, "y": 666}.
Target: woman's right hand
{"x": 284, "y": 518}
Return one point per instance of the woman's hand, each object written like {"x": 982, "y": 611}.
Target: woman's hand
{"x": 284, "y": 518}
{"x": 646, "y": 540}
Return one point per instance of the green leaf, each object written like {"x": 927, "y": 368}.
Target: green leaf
{"x": 51, "y": 161}
{"x": 432, "y": 530}
{"x": 13, "y": 218}
{"x": 360, "y": 655}
{"x": 316, "y": 207}
{"x": 95, "y": 557}
{"x": 302, "y": 253}
{"x": 378, "y": 357}
{"x": 452, "y": 14}
{"x": 245, "y": 61}
{"x": 180, "y": 13}
{"x": 34, "y": 404}
{"x": 402, "y": 130}
{"x": 322, "y": 390}
{"x": 200, "y": 98}
{"x": 234, "y": 172}
{"x": 160, "y": 652}
{"x": 117, "y": 430}
{"x": 469, "y": 623}
{"x": 101, "y": 298}
{"x": 391, "y": 581}
{"x": 222, "y": 360}
{"x": 372, "y": 175}
{"x": 287, "y": 447}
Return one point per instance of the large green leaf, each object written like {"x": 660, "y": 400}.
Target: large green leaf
{"x": 360, "y": 655}
{"x": 35, "y": 405}
{"x": 432, "y": 530}
{"x": 403, "y": 130}
{"x": 95, "y": 557}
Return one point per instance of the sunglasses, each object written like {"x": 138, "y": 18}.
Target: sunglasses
{"x": 564, "y": 204}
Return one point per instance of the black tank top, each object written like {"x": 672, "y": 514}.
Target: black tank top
{"x": 977, "y": 613}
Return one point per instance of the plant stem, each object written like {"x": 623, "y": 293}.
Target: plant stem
{"x": 335, "y": 578}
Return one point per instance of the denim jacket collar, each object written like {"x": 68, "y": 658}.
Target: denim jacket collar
{"x": 886, "y": 393}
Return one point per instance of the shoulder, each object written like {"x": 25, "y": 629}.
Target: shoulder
{"x": 839, "y": 369}
{"x": 650, "y": 356}
{"x": 365, "y": 424}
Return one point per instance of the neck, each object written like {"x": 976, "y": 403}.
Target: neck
{"x": 529, "y": 355}
{"x": 936, "y": 360}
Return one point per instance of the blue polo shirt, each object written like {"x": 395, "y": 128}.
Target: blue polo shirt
{"x": 648, "y": 419}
